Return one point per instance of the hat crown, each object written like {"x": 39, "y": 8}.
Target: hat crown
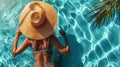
{"x": 37, "y": 15}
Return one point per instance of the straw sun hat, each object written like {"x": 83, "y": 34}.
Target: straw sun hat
{"x": 38, "y": 20}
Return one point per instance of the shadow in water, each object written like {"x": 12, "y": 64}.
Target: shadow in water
{"x": 76, "y": 52}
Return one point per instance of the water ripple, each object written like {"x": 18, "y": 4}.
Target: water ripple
{"x": 89, "y": 47}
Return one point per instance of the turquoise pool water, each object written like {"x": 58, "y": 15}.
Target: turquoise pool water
{"x": 89, "y": 47}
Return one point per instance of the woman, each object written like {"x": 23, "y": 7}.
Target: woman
{"x": 37, "y": 22}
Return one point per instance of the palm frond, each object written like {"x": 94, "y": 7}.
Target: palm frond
{"x": 118, "y": 6}
{"x": 104, "y": 11}
{"x": 97, "y": 6}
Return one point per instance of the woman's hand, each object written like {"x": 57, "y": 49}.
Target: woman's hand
{"x": 18, "y": 33}
{"x": 62, "y": 32}
{"x": 64, "y": 35}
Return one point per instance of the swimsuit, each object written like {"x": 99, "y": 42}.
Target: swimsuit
{"x": 46, "y": 50}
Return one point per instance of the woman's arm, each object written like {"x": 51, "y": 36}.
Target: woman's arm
{"x": 55, "y": 42}
{"x": 24, "y": 45}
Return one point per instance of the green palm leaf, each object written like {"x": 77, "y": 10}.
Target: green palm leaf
{"x": 118, "y": 6}
{"x": 104, "y": 11}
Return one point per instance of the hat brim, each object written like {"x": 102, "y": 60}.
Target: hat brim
{"x": 42, "y": 32}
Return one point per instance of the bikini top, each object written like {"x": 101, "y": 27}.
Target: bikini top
{"x": 46, "y": 50}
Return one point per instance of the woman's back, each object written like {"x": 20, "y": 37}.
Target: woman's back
{"x": 42, "y": 50}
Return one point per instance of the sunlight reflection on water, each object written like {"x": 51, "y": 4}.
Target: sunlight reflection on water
{"x": 89, "y": 47}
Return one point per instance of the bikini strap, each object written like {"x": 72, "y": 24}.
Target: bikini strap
{"x": 47, "y": 48}
{"x": 32, "y": 43}
{"x": 48, "y": 44}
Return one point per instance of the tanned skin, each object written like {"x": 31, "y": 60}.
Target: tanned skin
{"x": 42, "y": 59}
